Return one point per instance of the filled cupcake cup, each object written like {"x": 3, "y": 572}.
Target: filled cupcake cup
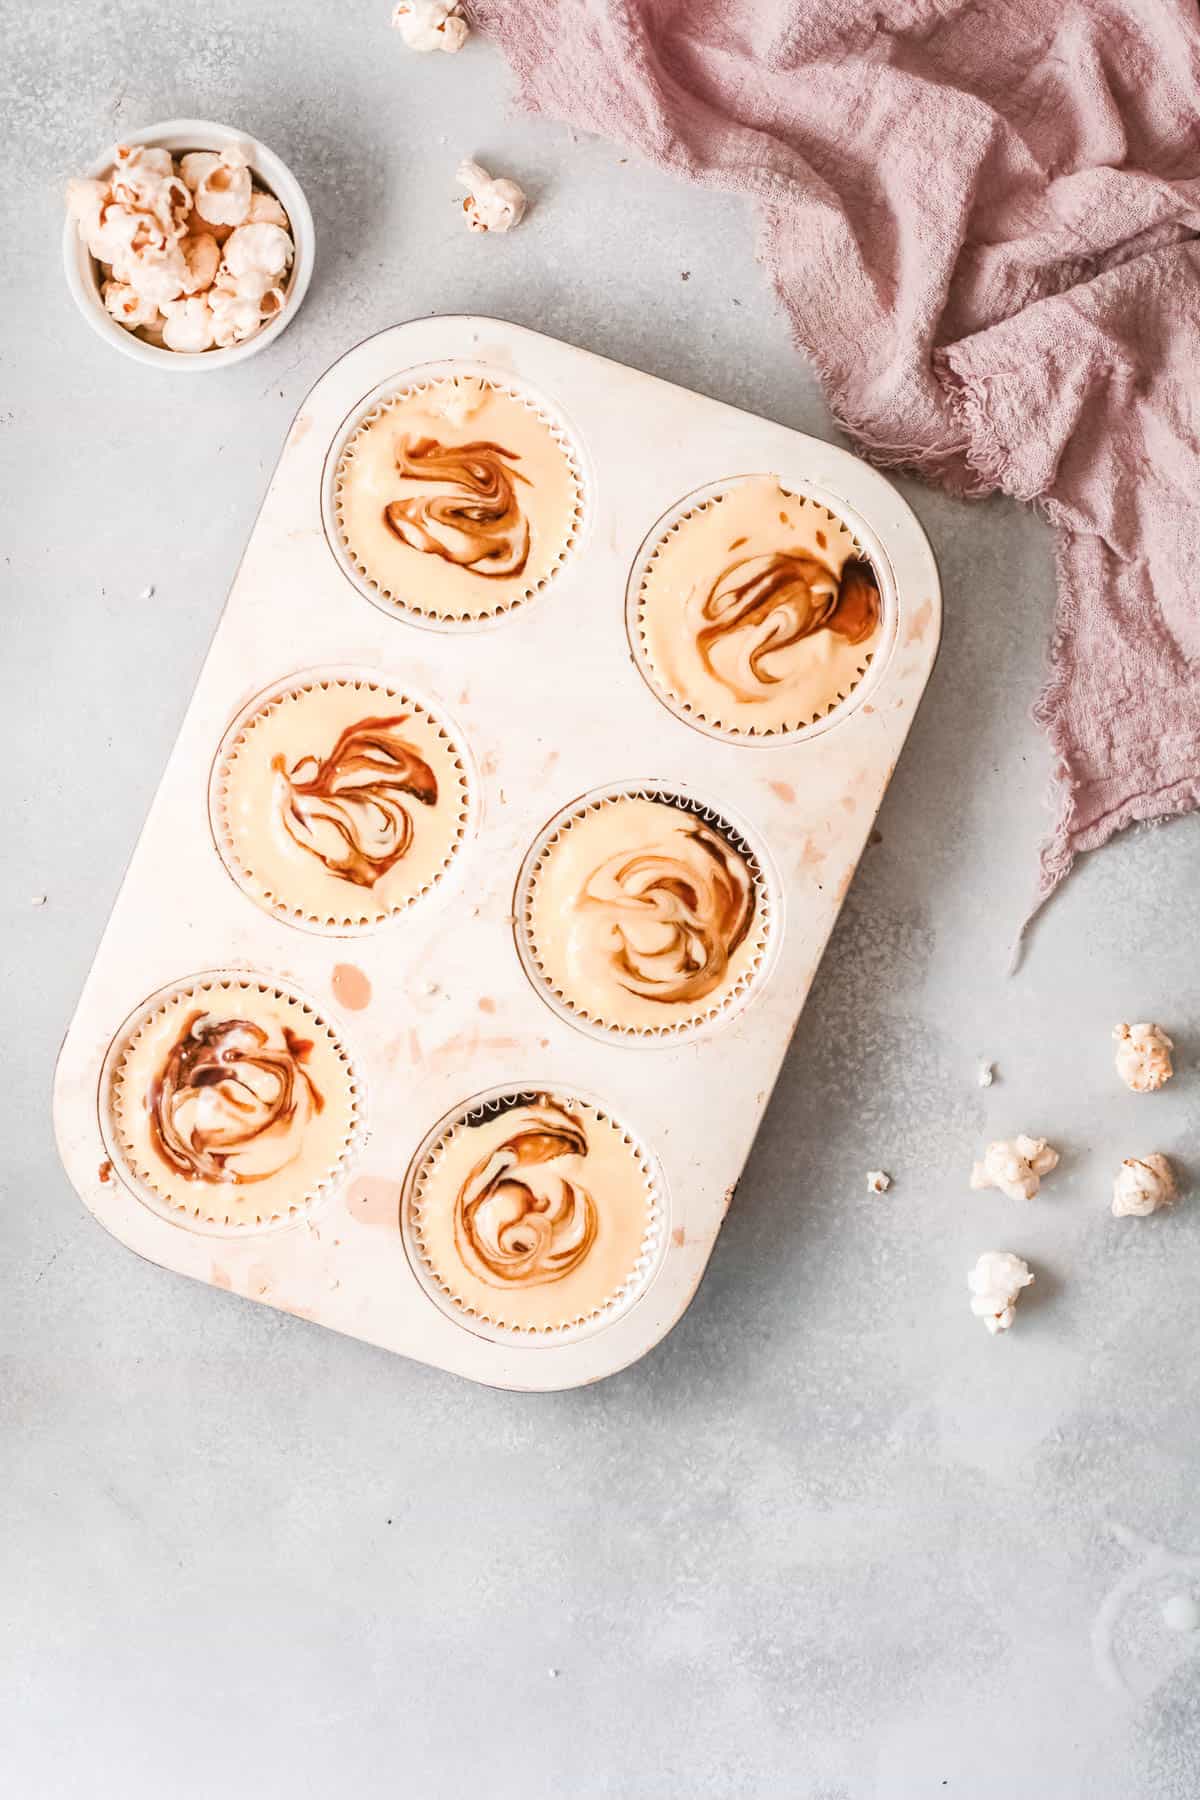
{"x": 338, "y": 799}
{"x": 756, "y": 613}
{"x": 534, "y": 1215}
{"x": 645, "y": 914}
{"x": 454, "y": 498}
{"x": 230, "y": 1105}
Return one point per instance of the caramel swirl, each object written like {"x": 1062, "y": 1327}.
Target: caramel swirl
{"x": 225, "y": 1107}
{"x": 460, "y": 504}
{"x": 349, "y": 810}
{"x": 679, "y": 910}
{"x": 765, "y": 604}
{"x": 520, "y": 1220}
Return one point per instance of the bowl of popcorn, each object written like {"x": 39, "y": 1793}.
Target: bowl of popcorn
{"x": 188, "y": 245}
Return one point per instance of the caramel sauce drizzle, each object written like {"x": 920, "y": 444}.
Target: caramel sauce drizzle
{"x": 349, "y": 810}
{"x": 461, "y": 505}
{"x": 222, "y": 1095}
{"x": 773, "y": 601}
{"x": 693, "y": 906}
{"x": 518, "y": 1220}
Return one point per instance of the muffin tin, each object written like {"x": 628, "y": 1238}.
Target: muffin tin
{"x": 439, "y": 1007}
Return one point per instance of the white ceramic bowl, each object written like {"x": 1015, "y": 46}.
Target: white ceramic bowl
{"x": 178, "y": 135}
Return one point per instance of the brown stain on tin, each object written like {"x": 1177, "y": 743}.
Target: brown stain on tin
{"x": 466, "y": 1044}
{"x": 920, "y": 622}
{"x": 220, "y": 1278}
{"x": 784, "y": 790}
{"x": 105, "y": 1170}
{"x": 486, "y": 1004}
{"x": 373, "y": 1200}
{"x": 351, "y": 988}
{"x": 813, "y": 855}
{"x": 300, "y": 429}
{"x": 677, "y": 1237}
{"x": 849, "y": 803}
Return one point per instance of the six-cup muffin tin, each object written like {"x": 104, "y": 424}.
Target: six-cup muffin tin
{"x": 443, "y": 1005}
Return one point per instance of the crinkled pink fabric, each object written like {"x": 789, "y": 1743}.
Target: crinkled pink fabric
{"x": 981, "y": 218}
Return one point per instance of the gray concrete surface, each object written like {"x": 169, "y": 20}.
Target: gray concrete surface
{"x": 830, "y": 1541}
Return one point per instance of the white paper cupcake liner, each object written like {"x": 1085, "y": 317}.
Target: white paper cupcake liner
{"x": 715, "y": 1011}
{"x": 370, "y": 915}
{"x": 850, "y": 694}
{"x": 201, "y": 1210}
{"x": 410, "y": 606}
{"x": 490, "y": 1322}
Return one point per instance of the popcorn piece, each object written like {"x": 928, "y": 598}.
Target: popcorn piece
{"x": 877, "y": 1181}
{"x": 223, "y": 198}
{"x": 431, "y": 24}
{"x": 188, "y": 325}
{"x": 127, "y": 306}
{"x": 254, "y": 285}
{"x": 987, "y": 1074}
{"x": 144, "y": 181}
{"x": 1015, "y": 1167}
{"x": 158, "y": 274}
{"x": 106, "y": 228}
{"x": 995, "y": 1283}
{"x": 257, "y": 250}
{"x": 134, "y": 163}
{"x": 459, "y": 397}
{"x": 489, "y": 205}
{"x": 1143, "y": 1056}
{"x": 1143, "y": 1184}
{"x": 236, "y": 316}
{"x": 266, "y": 210}
{"x": 85, "y": 202}
{"x": 221, "y": 185}
{"x": 196, "y": 164}
{"x": 202, "y": 255}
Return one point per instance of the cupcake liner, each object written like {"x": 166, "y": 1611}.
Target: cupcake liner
{"x": 445, "y": 1176}
{"x": 708, "y": 1012}
{"x": 489, "y": 604}
{"x": 258, "y": 1181}
{"x": 719, "y": 718}
{"x": 299, "y": 887}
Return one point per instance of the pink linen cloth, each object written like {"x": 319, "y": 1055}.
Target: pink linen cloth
{"x": 981, "y": 220}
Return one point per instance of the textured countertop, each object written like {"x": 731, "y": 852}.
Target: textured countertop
{"x": 829, "y": 1541}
